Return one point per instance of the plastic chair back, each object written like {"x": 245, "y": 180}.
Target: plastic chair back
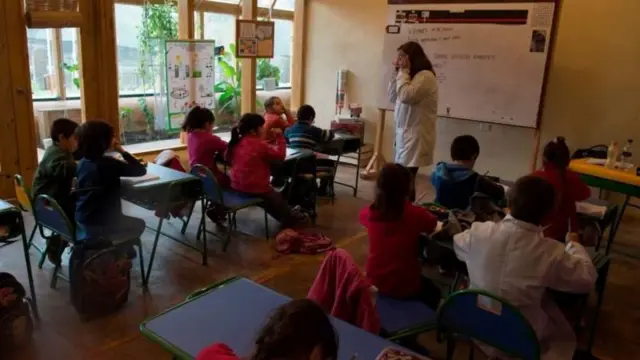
{"x": 22, "y": 194}
{"x": 51, "y": 216}
{"x": 489, "y": 319}
{"x": 210, "y": 186}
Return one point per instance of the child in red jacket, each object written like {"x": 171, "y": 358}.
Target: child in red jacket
{"x": 568, "y": 186}
{"x": 251, "y": 158}
{"x": 297, "y": 330}
{"x": 276, "y": 115}
{"x": 394, "y": 225}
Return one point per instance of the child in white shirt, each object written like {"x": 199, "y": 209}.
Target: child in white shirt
{"x": 514, "y": 260}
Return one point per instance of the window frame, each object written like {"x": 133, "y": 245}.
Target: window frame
{"x": 207, "y": 6}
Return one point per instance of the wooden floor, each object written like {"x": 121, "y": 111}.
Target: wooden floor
{"x": 178, "y": 272}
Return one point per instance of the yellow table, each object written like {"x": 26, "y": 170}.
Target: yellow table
{"x": 624, "y": 182}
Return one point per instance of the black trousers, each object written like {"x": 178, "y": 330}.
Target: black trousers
{"x": 414, "y": 172}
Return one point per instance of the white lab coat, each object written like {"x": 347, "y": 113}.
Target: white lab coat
{"x": 416, "y": 107}
{"x": 514, "y": 260}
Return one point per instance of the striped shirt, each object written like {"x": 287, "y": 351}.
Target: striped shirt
{"x": 302, "y": 135}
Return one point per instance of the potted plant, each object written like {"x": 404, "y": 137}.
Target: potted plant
{"x": 268, "y": 73}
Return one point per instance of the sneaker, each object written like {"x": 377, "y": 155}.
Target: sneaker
{"x": 55, "y": 246}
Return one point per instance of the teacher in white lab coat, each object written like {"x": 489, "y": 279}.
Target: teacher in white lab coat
{"x": 414, "y": 90}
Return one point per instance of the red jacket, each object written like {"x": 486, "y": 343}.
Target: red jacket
{"x": 202, "y": 148}
{"x": 569, "y": 190}
{"x": 341, "y": 289}
{"x": 251, "y": 163}
{"x": 393, "y": 263}
{"x": 217, "y": 352}
{"x": 275, "y": 121}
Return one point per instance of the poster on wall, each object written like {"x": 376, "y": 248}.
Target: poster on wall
{"x": 190, "y": 75}
{"x": 254, "y": 39}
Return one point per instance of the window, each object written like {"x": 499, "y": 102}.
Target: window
{"x": 70, "y": 61}
{"x": 285, "y": 5}
{"x": 283, "y": 46}
{"x": 127, "y": 21}
{"x": 41, "y": 64}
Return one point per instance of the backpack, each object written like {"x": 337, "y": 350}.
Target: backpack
{"x": 100, "y": 278}
{"x": 290, "y": 241}
{"x": 16, "y": 323}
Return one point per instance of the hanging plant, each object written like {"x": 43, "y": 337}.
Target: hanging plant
{"x": 159, "y": 22}
{"x": 72, "y": 69}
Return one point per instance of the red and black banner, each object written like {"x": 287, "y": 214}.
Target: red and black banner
{"x": 500, "y": 17}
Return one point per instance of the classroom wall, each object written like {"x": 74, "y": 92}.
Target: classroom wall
{"x": 593, "y": 93}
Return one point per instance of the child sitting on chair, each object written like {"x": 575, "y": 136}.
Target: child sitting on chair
{"x": 394, "y": 225}
{"x": 568, "y": 187}
{"x": 456, "y": 182}
{"x": 276, "y": 116}
{"x": 251, "y": 157}
{"x": 202, "y": 145}
{"x": 99, "y": 208}
{"x": 304, "y": 135}
{"x": 297, "y": 330}
{"x": 55, "y": 173}
{"x": 514, "y": 260}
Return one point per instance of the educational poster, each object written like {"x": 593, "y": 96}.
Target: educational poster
{"x": 254, "y": 39}
{"x": 489, "y": 58}
{"x": 190, "y": 78}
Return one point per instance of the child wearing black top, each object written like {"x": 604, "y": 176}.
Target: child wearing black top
{"x": 98, "y": 207}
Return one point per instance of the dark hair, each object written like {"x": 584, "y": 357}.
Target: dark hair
{"x": 268, "y": 104}
{"x": 556, "y": 152}
{"x": 294, "y": 330}
{"x": 418, "y": 59}
{"x": 95, "y": 139}
{"x": 465, "y": 148}
{"x": 393, "y": 187}
{"x": 531, "y": 199}
{"x": 64, "y": 127}
{"x": 306, "y": 113}
{"x": 248, "y": 123}
{"x": 197, "y": 119}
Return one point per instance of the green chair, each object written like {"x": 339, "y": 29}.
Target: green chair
{"x": 482, "y": 316}
{"x": 25, "y": 204}
{"x": 229, "y": 201}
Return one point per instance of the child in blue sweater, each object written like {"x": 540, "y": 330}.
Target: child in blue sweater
{"x": 99, "y": 208}
{"x": 456, "y": 182}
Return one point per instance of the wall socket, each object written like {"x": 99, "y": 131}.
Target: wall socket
{"x": 486, "y": 127}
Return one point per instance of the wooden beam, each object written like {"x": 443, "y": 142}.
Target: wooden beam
{"x": 58, "y": 59}
{"x": 248, "y": 84}
{"x": 299, "y": 54}
{"x": 186, "y": 19}
{"x": 98, "y": 62}
{"x": 18, "y": 153}
{"x": 53, "y": 19}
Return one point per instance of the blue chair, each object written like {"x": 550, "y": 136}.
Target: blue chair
{"x": 485, "y": 317}
{"x": 51, "y": 216}
{"x": 229, "y": 201}
{"x": 401, "y": 319}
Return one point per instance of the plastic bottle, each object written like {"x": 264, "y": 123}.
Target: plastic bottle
{"x": 625, "y": 157}
{"x": 612, "y": 155}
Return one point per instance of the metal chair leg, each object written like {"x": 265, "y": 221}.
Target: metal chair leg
{"x": 231, "y": 221}
{"x": 43, "y": 256}
{"x": 186, "y": 223}
{"x": 153, "y": 251}
{"x": 451, "y": 347}
{"x": 33, "y": 234}
{"x": 144, "y": 278}
{"x": 27, "y": 260}
{"x": 266, "y": 225}
{"x": 204, "y": 236}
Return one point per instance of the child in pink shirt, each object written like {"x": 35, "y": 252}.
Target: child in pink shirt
{"x": 202, "y": 145}
{"x": 276, "y": 116}
{"x": 251, "y": 158}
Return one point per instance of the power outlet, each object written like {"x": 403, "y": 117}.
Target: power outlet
{"x": 486, "y": 127}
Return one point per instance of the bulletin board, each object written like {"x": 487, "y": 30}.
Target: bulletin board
{"x": 490, "y": 57}
{"x": 254, "y": 39}
{"x": 190, "y": 76}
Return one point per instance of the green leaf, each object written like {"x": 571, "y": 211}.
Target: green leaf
{"x": 228, "y": 71}
{"x": 76, "y": 82}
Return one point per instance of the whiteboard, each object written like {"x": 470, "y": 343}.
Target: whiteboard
{"x": 490, "y": 59}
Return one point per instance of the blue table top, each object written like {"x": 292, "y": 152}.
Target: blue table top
{"x": 234, "y": 314}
